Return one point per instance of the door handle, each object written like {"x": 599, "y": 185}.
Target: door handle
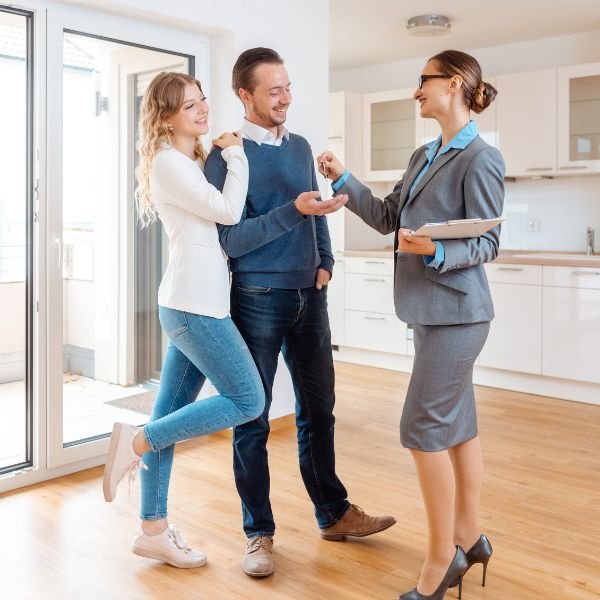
{"x": 57, "y": 243}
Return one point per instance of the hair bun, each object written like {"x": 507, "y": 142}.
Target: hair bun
{"x": 483, "y": 95}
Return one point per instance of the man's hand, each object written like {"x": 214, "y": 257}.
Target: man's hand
{"x": 323, "y": 277}
{"x": 415, "y": 244}
{"x": 307, "y": 203}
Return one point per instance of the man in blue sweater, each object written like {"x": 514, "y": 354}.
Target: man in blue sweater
{"x": 281, "y": 262}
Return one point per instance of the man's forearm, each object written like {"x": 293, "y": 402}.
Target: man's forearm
{"x": 253, "y": 233}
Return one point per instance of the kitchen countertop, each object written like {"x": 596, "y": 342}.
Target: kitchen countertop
{"x": 511, "y": 257}
{"x": 387, "y": 252}
{"x": 547, "y": 257}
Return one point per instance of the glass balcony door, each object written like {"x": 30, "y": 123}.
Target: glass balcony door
{"x": 103, "y": 272}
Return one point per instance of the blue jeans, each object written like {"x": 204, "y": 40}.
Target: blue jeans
{"x": 200, "y": 347}
{"x": 295, "y": 322}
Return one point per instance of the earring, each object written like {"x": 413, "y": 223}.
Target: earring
{"x": 170, "y": 127}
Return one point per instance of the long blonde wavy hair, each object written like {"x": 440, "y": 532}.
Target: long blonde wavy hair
{"x": 163, "y": 98}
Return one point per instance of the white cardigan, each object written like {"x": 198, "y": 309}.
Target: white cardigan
{"x": 197, "y": 278}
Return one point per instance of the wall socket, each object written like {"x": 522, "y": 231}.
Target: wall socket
{"x": 533, "y": 225}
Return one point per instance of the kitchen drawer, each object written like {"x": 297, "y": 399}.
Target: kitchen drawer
{"x": 506, "y": 273}
{"x": 573, "y": 277}
{"x": 369, "y": 293}
{"x": 369, "y": 266}
{"x": 373, "y": 331}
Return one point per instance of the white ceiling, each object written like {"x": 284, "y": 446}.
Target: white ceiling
{"x": 364, "y": 32}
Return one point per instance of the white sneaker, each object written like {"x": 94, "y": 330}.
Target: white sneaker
{"x": 121, "y": 459}
{"x": 169, "y": 546}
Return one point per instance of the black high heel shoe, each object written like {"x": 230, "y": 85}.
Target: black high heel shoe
{"x": 481, "y": 552}
{"x": 455, "y": 572}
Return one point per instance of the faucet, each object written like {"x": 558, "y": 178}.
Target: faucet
{"x": 590, "y": 241}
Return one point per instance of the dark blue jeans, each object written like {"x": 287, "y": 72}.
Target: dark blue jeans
{"x": 295, "y": 322}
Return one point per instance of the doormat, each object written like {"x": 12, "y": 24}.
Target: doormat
{"x": 141, "y": 403}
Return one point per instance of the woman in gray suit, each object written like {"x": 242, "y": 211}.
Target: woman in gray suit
{"x": 441, "y": 290}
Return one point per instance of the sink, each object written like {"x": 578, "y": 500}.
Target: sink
{"x": 557, "y": 256}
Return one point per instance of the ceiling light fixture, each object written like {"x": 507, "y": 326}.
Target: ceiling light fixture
{"x": 428, "y": 25}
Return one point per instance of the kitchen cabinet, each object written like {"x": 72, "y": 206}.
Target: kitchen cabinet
{"x": 571, "y": 327}
{"x": 548, "y": 121}
{"x": 370, "y": 321}
{"x": 335, "y": 300}
{"x": 389, "y": 134}
{"x": 375, "y": 331}
{"x": 545, "y": 123}
{"x": 374, "y": 293}
{"x": 578, "y": 121}
{"x": 515, "y": 339}
{"x": 526, "y": 122}
{"x": 429, "y": 129}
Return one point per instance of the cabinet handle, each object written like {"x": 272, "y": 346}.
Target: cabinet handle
{"x": 336, "y": 137}
{"x": 374, "y": 262}
{"x": 510, "y": 269}
{"x": 573, "y": 167}
{"x": 539, "y": 169}
{"x": 372, "y": 279}
{"x": 585, "y": 273}
{"x": 374, "y": 318}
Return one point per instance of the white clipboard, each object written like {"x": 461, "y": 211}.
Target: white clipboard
{"x": 459, "y": 228}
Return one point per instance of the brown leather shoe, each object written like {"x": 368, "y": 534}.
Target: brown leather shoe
{"x": 258, "y": 560}
{"x": 356, "y": 523}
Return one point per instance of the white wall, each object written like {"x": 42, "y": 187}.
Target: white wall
{"x": 564, "y": 206}
{"x": 298, "y": 30}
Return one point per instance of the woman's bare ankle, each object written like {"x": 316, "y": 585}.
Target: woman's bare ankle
{"x": 140, "y": 444}
{"x": 467, "y": 539}
{"x": 154, "y": 527}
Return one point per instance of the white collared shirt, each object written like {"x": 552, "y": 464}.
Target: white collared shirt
{"x": 260, "y": 135}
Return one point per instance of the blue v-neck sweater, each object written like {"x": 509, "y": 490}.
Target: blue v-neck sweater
{"x": 274, "y": 245}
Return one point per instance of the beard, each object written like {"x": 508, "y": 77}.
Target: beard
{"x": 269, "y": 118}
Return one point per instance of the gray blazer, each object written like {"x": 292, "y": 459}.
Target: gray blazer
{"x": 460, "y": 184}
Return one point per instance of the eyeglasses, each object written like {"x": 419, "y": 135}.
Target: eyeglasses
{"x": 424, "y": 78}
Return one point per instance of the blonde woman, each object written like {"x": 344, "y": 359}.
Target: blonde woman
{"x": 193, "y": 303}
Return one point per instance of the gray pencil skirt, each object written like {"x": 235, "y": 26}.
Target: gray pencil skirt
{"x": 439, "y": 411}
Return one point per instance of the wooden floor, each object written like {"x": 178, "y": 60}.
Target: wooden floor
{"x": 541, "y": 510}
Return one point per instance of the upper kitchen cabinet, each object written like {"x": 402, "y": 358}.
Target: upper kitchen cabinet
{"x": 429, "y": 129}
{"x": 389, "y": 134}
{"x": 579, "y": 118}
{"x": 526, "y": 122}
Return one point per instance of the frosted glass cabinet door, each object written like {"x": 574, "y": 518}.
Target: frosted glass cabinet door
{"x": 390, "y": 136}
{"x": 579, "y": 118}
